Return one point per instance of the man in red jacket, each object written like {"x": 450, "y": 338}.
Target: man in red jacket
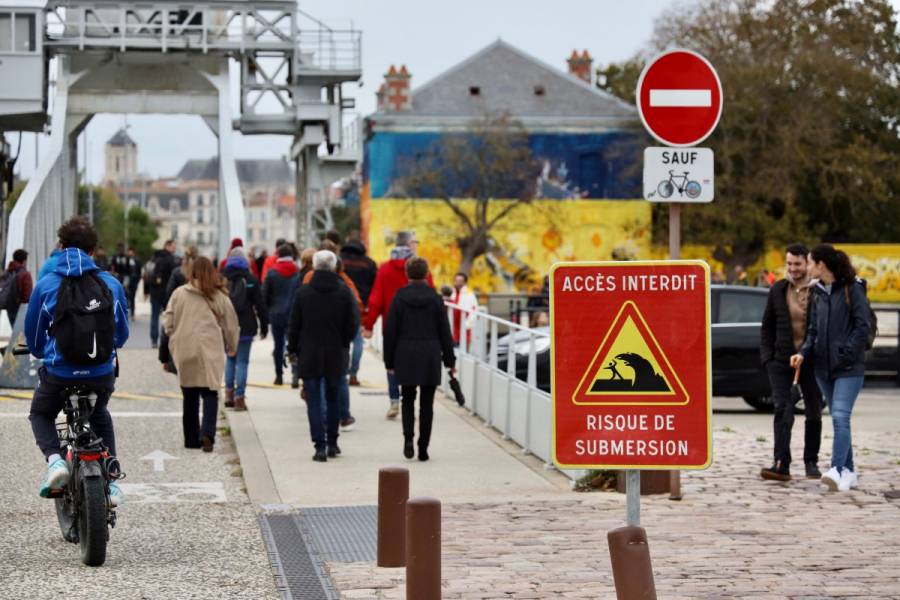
{"x": 391, "y": 277}
{"x": 24, "y": 284}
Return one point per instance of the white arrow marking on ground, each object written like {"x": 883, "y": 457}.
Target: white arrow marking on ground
{"x": 683, "y": 98}
{"x": 159, "y": 459}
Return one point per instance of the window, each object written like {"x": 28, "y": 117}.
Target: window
{"x": 735, "y": 307}
{"x": 200, "y": 238}
{"x": 24, "y": 33}
{"x": 539, "y": 90}
{"x": 173, "y": 207}
{"x": 200, "y": 216}
{"x": 474, "y": 90}
{"x": 5, "y": 32}
{"x": 199, "y": 199}
{"x": 117, "y": 164}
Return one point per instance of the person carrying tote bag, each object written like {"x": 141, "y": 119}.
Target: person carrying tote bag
{"x": 202, "y": 327}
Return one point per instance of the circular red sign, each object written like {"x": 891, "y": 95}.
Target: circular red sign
{"x": 679, "y": 98}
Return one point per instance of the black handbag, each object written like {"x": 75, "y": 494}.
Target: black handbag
{"x": 457, "y": 390}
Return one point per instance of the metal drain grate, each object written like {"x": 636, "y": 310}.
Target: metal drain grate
{"x": 298, "y": 575}
{"x": 342, "y": 533}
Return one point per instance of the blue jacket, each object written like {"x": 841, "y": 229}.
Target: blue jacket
{"x": 49, "y": 265}
{"x": 837, "y": 330}
{"x": 41, "y": 307}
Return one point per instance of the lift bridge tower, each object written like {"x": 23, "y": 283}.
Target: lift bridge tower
{"x": 173, "y": 57}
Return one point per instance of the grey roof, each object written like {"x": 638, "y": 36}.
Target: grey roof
{"x": 166, "y": 198}
{"x": 507, "y": 78}
{"x": 250, "y": 171}
{"x": 121, "y": 138}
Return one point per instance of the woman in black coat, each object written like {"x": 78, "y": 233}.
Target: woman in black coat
{"x": 416, "y": 338}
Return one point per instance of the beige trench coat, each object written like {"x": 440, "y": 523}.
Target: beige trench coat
{"x": 199, "y": 339}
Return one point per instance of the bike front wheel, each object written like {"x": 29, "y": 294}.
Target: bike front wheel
{"x": 692, "y": 189}
{"x": 665, "y": 189}
{"x": 93, "y": 532}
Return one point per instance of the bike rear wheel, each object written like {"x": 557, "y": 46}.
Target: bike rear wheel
{"x": 65, "y": 514}
{"x": 93, "y": 532}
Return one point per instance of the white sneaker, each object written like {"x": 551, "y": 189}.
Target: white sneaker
{"x": 849, "y": 480}
{"x": 832, "y": 479}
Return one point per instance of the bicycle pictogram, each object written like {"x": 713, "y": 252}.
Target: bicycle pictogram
{"x": 682, "y": 183}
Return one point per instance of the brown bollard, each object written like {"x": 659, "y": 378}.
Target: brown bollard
{"x": 630, "y": 557}
{"x": 393, "y": 491}
{"x": 423, "y": 549}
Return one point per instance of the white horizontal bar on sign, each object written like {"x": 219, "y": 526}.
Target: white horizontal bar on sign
{"x": 681, "y": 98}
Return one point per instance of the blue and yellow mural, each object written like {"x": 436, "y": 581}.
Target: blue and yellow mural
{"x": 584, "y": 208}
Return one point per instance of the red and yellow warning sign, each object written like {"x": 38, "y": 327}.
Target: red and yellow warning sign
{"x": 631, "y": 365}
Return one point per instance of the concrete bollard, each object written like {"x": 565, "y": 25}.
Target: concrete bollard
{"x": 393, "y": 492}
{"x": 630, "y": 557}
{"x": 423, "y": 549}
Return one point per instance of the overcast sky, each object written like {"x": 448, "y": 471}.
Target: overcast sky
{"x": 428, "y": 37}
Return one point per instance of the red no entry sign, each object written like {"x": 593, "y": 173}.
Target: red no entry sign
{"x": 631, "y": 365}
{"x": 679, "y": 98}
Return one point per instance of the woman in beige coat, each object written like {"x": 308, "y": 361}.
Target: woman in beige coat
{"x": 202, "y": 327}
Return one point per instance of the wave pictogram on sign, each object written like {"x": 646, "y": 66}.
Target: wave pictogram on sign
{"x": 629, "y": 367}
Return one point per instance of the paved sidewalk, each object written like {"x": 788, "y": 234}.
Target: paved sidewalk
{"x": 514, "y": 530}
{"x": 465, "y": 464}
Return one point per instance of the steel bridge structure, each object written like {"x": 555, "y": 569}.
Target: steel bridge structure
{"x": 173, "y": 57}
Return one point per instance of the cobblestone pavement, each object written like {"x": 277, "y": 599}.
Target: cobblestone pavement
{"x": 187, "y": 531}
{"x": 732, "y": 536}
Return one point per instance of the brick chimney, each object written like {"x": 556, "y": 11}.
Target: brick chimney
{"x": 580, "y": 65}
{"x": 395, "y": 94}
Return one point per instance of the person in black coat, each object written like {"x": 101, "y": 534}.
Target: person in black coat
{"x": 362, "y": 270}
{"x": 250, "y": 305}
{"x": 836, "y": 338}
{"x": 416, "y": 338}
{"x": 324, "y": 320}
{"x": 155, "y": 286}
{"x": 784, "y": 325}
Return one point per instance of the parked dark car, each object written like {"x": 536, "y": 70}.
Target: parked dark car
{"x": 736, "y": 370}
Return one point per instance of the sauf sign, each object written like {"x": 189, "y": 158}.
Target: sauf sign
{"x": 679, "y": 100}
{"x": 631, "y": 365}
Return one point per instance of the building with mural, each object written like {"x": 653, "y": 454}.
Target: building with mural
{"x": 586, "y": 143}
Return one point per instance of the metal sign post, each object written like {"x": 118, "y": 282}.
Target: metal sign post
{"x": 633, "y": 497}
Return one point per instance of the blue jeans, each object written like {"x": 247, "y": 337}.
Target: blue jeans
{"x": 393, "y": 389}
{"x": 156, "y": 308}
{"x": 356, "y": 354}
{"x": 841, "y": 395}
{"x": 279, "y": 334}
{"x": 236, "y": 368}
{"x": 343, "y": 400}
{"x": 323, "y": 425}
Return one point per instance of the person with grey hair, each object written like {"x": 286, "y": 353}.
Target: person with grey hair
{"x": 391, "y": 277}
{"x": 324, "y": 320}
{"x": 250, "y": 305}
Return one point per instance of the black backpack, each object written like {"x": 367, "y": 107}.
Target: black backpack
{"x": 873, "y": 320}
{"x": 84, "y": 322}
{"x": 9, "y": 289}
{"x": 237, "y": 291}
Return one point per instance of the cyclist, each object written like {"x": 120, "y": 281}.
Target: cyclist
{"x": 75, "y": 268}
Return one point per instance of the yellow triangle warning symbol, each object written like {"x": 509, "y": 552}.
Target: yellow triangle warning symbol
{"x": 629, "y": 366}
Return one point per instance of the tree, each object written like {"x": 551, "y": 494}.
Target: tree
{"x": 809, "y": 142}
{"x": 109, "y": 221}
{"x": 481, "y": 174}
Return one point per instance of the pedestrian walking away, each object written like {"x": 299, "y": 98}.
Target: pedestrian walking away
{"x": 784, "y": 325}
{"x": 15, "y": 285}
{"x": 202, "y": 327}
{"x": 347, "y": 419}
{"x": 132, "y": 279}
{"x": 58, "y": 330}
{"x": 362, "y": 270}
{"x": 278, "y": 290}
{"x": 416, "y": 339}
{"x": 239, "y": 243}
{"x": 323, "y": 322}
{"x": 247, "y": 298}
{"x": 157, "y": 279}
{"x": 391, "y": 277}
{"x": 836, "y": 340}
{"x": 179, "y": 277}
